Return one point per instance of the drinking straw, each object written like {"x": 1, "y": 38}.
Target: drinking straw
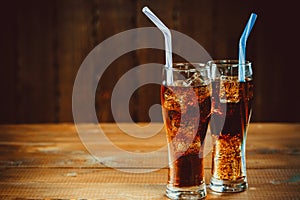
{"x": 242, "y": 47}
{"x": 168, "y": 42}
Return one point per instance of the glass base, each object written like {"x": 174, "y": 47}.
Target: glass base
{"x": 228, "y": 186}
{"x": 194, "y": 192}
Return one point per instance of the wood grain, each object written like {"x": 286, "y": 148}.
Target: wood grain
{"x": 9, "y": 64}
{"x": 74, "y": 39}
{"x": 44, "y": 43}
{"x": 50, "y": 162}
{"x": 35, "y": 74}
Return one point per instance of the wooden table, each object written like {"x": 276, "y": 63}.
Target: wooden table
{"x": 50, "y": 162}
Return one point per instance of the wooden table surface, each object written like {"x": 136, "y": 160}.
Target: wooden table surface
{"x": 49, "y": 161}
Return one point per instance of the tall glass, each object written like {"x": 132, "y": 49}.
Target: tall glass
{"x": 186, "y": 108}
{"x": 232, "y": 107}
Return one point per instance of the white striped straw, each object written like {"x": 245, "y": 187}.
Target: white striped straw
{"x": 168, "y": 41}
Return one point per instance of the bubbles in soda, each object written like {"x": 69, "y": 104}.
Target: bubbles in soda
{"x": 232, "y": 106}
{"x": 186, "y": 112}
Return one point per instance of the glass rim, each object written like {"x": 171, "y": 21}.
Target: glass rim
{"x": 228, "y": 62}
{"x": 185, "y": 66}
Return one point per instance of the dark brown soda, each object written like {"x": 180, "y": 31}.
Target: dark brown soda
{"x": 228, "y": 126}
{"x": 186, "y": 112}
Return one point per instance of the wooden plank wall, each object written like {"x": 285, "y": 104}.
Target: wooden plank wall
{"x": 43, "y": 44}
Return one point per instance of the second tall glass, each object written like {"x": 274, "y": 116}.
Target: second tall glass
{"x": 232, "y": 107}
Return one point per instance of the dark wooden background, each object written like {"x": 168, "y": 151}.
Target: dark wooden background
{"x": 43, "y": 43}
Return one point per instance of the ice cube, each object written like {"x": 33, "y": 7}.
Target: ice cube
{"x": 171, "y": 101}
{"x": 179, "y": 83}
{"x": 176, "y": 99}
{"x": 195, "y": 80}
{"x": 229, "y": 89}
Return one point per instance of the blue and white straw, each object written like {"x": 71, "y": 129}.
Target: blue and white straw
{"x": 242, "y": 47}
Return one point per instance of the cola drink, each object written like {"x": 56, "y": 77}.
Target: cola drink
{"x": 231, "y": 112}
{"x": 186, "y": 112}
{"x": 232, "y": 108}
